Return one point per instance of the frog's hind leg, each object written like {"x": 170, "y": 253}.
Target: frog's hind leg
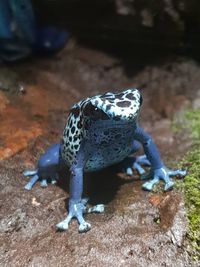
{"x": 136, "y": 162}
{"x": 33, "y": 180}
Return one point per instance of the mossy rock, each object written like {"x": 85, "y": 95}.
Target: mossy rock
{"x": 191, "y": 184}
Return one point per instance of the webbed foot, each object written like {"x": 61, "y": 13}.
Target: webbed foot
{"x": 162, "y": 174}
{"x": 76, "y": 210}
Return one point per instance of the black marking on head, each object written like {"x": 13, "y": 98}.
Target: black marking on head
{"x": 108, "y": 107}
{"x": 123, "y": 104}
{"x": 120, "y": 96}
{"x": 130, "y": 96}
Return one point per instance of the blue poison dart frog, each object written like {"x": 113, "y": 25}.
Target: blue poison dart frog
{"x": 102, "y": 131}
{"x": 20, "y": 35}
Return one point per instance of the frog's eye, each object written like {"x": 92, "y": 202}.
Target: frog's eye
{"x": 94, "y": 113}
{"x": 89, "y": 110}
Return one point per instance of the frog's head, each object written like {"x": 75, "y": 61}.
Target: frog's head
{"x": 119, "y": 107}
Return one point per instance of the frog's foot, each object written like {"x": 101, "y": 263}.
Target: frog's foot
{"x": 162, "y": 174}
{"x": 76, "y": 210}
{"x": 33, "y": 179}
{"x": 157, "y": 175}
{"x": 43, "y": 183}
{"x": 96, "y": 209}
{"x": 136, "y": 163}
{"x": 150, "y": 184}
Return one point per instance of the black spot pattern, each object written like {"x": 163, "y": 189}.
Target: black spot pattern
{"x": 123, "y": 104}
{"x": 130, "y": 96}
{"x": 75, "y": 112}
{"x": 73, "y": 130}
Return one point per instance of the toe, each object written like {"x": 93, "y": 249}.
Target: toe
{"x": 84, "y": 227}
{"x": 168, "y": 186}
{"x": 147, "y": 186}
{"x": 62, "y": 226}
{"x": 129, "y": 172}
{"x": 97, "y": 209}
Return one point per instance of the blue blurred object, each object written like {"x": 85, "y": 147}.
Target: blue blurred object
{"x": 19, "y": 35}
{"x": 23, "y": 16}
{"x": 50, "y": 39}
{"x": 5, "y": 20}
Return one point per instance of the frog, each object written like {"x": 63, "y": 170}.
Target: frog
{"x": 102, "y": 131}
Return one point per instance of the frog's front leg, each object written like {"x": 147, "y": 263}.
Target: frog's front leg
{"x": 158, "y": 170}
{"x": 77, "y": 206}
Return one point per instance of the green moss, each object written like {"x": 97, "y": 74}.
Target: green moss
{"x": 193, "y": 120}
{"x": 191, "y": 184}
{"x": 191, "y": 189}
